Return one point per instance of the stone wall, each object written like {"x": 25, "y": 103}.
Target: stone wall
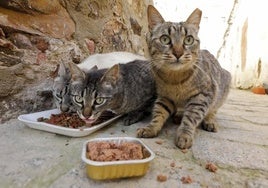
{"x": 36, "y": 35}
{"x": 110, "y": 25}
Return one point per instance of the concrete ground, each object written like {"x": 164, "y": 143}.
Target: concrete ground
{"x": 33, "y": 158}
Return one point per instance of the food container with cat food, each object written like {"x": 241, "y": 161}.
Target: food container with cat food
{"x": 116, "y": 157}
{"x": 32, "y": 120}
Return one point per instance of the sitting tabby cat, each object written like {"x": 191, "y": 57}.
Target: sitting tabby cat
{"x": 190, "y": 82}
{"x": 60, "y": 87}
{"x": 123, "y": 89}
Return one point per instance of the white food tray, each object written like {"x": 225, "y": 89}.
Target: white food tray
{"x": 31, "y": 121}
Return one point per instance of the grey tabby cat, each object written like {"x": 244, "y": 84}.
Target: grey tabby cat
{"x": 63, "y": 76}
{"x": 190, "y": 82}
{"x": 60, "y": 89}
{"x": 83, "y": 90}
{"x": 125, "y": 89}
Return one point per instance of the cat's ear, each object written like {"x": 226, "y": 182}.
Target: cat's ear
{"x": 111, "y": 76}
{"x": 55, "y": 73}
{"x": 76, "y": 73}
{"x": 94, "y": 68}
{"x": 154, "y": 17}
{"x": 195, "y": 18}
{"x": 62, "y": 70}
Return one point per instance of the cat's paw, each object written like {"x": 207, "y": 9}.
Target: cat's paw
{"x": 211, "y": 126}
{"x": 146, "y": 132}
{"x": 184, "y": 140}
{"x": 129, "y": 121}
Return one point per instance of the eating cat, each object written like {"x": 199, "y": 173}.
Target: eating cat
{"x": 190, "y": 82}
{"x": 83, "y": 88}
{"x": 60, "y": 88}
{"x": 124, "y": 89}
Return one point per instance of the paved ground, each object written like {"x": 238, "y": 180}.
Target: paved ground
{"x": 32, "y": 158}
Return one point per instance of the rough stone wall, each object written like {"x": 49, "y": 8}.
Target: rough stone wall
{"x": 35, "y": 35}
{"x": 110, "y": 25}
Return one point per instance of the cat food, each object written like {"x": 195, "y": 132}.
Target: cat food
{"x": 186, "y": 180}
{"x": 161, "y": 178}
{"x": 118, "y": 157}
{"x": 70, "y": 120}
{"x": 108, "y": 151}
{"x": 211, "y": 167}
{"x": 160, "y": 142}
{"x": 184, "y": 150}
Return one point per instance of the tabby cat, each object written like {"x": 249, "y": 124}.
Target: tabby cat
{"x": 82, "y": 90}
{"x": 60, "y": 87}
{"x": 190, "y": 82}
{"x": 125, "y": 89}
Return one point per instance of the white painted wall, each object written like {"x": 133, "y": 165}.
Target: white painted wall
{"x": 221, "y": 33}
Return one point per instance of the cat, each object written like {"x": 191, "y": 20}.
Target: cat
{"x": 124, "y": 89}
{"x": 82, "y": 89}
{"x": 190, "y": 82}
{"x": 60, "y": 86}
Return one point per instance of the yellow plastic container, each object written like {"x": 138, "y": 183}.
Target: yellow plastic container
{"x": 117, "y": 169}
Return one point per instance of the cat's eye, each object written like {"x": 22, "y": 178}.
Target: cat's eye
{"x": 99, "y": 100}
{"x": 78, "y": 99}
{"x": 164, "y": 39}
{"x": 189, "y": 40}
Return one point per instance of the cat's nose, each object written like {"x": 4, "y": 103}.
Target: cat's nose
{"x": 177, "y": 51}
{"x": 87, "y": 112}
{"x": 64, "y": 108}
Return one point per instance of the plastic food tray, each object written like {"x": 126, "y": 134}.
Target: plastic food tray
{"x": 117, "y": 169}
{"x": 31, "y": 121}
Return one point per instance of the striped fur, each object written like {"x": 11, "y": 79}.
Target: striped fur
{"x": 62, "y": 78}
{"x": 190, "y": 82}
{"x": 126, "y": 89}
{"x": 83, "y": 89}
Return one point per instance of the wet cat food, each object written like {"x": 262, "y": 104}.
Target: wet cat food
{"x": 161, "y": 178}
{"x": 186, "y": 180}
{"x": 211, "y": 167}
{"x": 108, "y": 151}
{"x": 70, "y": 120}
{"x": 119, "y": 157}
